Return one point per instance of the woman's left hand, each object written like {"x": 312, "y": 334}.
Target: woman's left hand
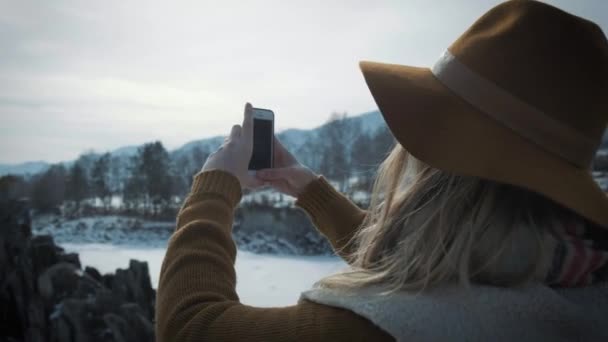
{"x": 234, "y": 154}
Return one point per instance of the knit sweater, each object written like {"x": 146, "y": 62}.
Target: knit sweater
{"x": 196, "y": 297}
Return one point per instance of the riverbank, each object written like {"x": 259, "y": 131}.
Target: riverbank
{"x": 47, "y": 295}
{"x": 263, "y": 280}
{"x": 257, "y": 229}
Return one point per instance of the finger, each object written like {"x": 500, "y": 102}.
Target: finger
{"x": 235, "y": 133}
{"x": 282, "y": 186}
{"x": 273, "y": 174}
{"x": 277, "y": 145}
{"x": 253, "y": 182}
{"x": 280, "y": 150}
{"x": 248, "y": 123}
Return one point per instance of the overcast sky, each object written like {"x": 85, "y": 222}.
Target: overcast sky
{"x": 79, "y": 75}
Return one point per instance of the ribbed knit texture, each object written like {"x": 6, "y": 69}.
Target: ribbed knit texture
{"x": 197, "y": 299}
{"x": 215, "y": 181}
{"x": 335, "y": 216}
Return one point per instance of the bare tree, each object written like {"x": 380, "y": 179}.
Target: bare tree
{"x": 337, "y": 136}
{"x": 100, "y": 175}
{"x": 48, "y": 191}
{"x": 77, "y": 185}
{"x": 13, "y": 187}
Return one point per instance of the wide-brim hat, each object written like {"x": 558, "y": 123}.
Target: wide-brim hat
{"x": 520, "y": 98}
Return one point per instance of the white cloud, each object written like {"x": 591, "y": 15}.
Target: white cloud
{"x": 76, "y": 75}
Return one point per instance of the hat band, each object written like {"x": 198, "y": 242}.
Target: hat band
{"x": 527, "y": 121}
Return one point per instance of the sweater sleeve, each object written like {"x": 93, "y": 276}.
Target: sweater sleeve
{"x": 334, "y": 215}
{"x": 197, "y": 299}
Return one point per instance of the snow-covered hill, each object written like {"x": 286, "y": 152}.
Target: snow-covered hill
{"x": 27, "y": 168}
{"x": 292, "y": 235}
{"x": 189, "y": 154}
{"x": 293, "y": 138}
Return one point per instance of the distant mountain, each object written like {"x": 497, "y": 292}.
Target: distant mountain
{"x": 32, "y": 168}
{"x": 293, "y": 139}
{"x": 125, "y": 151}
{"x": 206, "y": 145}
{"x": 27, "y": 168}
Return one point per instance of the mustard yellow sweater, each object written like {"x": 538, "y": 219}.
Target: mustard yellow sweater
{"x": 196, "y": 298}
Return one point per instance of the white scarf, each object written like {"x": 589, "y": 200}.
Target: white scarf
{"x": 482, "y": 313}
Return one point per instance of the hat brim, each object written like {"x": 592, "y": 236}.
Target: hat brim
{"x": 444, "y": 131}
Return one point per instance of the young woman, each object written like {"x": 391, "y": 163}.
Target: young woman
{"x": 485, "y": 222}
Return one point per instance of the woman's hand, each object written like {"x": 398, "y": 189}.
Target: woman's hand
{"x": 288, "y": 175}
{"x": 234, "y": 154}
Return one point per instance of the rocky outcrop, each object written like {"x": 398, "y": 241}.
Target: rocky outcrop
{"x": 45, "y": 295}
{"x": 261, "y": 228}
{"x": 116, "y": 230}
{"x": 258, "y": 228}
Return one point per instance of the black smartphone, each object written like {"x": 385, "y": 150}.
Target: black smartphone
{"x": 263, "y": 133}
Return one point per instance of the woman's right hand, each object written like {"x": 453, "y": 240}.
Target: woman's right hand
{"x": 288, "y": 175}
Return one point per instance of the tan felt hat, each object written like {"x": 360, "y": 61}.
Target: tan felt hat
{"x": 520, "y": 98}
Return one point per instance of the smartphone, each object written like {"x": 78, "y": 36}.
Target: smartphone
{"x": 263, "y": 137}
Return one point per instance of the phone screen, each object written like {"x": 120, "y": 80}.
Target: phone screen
{"x": 262, "y": 144}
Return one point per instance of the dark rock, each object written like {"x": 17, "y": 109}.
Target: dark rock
{"x": 131, "y": 320}
{"x": 133, "y": 285}
{"x": 43, "y": 252}
{"x": 118, "y": 326}
{"x": 45, "y": 295}
{"x": 284, "y": 230}
{"x": 58, "y": 282}
{"x": 70, "y": 258}
{"x": 93, "y": 273}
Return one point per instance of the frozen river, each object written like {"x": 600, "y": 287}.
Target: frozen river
{"x": 262, "y": 280}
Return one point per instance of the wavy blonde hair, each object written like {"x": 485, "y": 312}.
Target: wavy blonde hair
{"x": 427, "y": 227}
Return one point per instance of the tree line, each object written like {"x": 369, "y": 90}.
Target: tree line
{"x": 153, "y": 182}
{"x": 146, "y": 183}
{"x": 342, "y": 150}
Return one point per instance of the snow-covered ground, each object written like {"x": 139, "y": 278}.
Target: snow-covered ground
{"x": 119, "y": 230}
{"x": 139, "y": 233}
{"x": 269, "y": 196}
{"x": 262, "y": 280}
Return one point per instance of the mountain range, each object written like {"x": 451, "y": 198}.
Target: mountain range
{"x": 293, "y": 139}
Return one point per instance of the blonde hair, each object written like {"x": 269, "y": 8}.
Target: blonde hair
{"x": 427, "y": 227}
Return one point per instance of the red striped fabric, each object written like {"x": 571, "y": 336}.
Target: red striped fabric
{"x": 578, "y": 257}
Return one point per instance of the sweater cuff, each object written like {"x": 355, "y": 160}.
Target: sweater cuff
{"x": 316, "y": 197}
{"x": 218, "y": 182}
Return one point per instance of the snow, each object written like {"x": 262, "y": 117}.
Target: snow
{"x": 360, "y": 196}
{"x": 129, "y": 231}
{"x": 262, "y": 280}
{"x": 116, "y": 202}
{"x": 277, "y": 199}
{"x": 603, "y": 183}
{"x": 115, "y": 229}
